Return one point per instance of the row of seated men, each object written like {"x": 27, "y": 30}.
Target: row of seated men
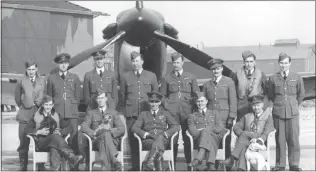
{"x": 177, "y": 88}
{"x": 156, "y": 127}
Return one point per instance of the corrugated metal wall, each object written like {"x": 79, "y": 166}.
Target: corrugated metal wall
{"x": 41, "y": 35}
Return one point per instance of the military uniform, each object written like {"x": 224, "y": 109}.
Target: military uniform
{"x": 133, "y": 91}
{"x": 221, "y": 97}
{"x": 108, "y": 141}
{"x": 251, "y": 126}
{"x": 28, "y": 97}
{"x": 160, "y": 127}
{"x": 247, "y": 85}
{"x": 178, "y": 92}
{"x": 207, "y": 130}
{"x": 66, "y": 94}
{"x": 286, "y": 94}
{"x": 99, "y": 79}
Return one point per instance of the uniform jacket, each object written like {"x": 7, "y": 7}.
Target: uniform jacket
{"x": 134, "y": 91}
{"x": 179, "y": 91}
{"x": 94, "y": 118}
{"x": 286, "y": 95}
{"x": 93, "y": 81}
{"x": 211, "y": 121}
{"x": 262, "y": 128}
{"x": 163, "y": 122}
{"x": 65, "y": 93}
{"x": 27, "y": 95}
{"x": 222, "y": 97}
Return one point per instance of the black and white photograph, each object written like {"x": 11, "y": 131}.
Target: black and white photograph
{"x": 157, "y": 85}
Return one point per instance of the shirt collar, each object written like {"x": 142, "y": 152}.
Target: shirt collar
{"x": 180, "y": 71}
{"x": 140, "y": 71}
{"x": 100, "y": 69}
{"x": 287, "y": 72}
{"x": 203, "y": 110}
{"x": 259, "y": 114}
{"x": 218, "y": 78}
{"x": 60, "y": 73}
{"x": 102, "y": 109}
{"x": 33, "y": 78}
{"x": 152, "y": 111}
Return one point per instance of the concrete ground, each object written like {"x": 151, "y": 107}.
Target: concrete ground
{"x": 10, "y": 141}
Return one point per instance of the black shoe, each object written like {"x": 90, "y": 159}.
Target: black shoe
{"x": 295, "y": 168}
{"x": 118, "y": 166}
{"x": 133, "y": 169}
{"x": 229, "y": 162}
{"x": 23, "y": 161}
{"x": 211, "y": 167}
{"x": 278, "y": 169}
{"x": 189, "y": 167}
{"x": 195, "y": 162}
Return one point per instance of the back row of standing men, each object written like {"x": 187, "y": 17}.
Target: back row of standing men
{"x": 227, "y": 95}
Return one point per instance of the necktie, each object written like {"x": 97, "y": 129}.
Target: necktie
{"x": 101, "y": 74}
{"x": 284, "y": 75}
{"x": 154, "y": 114}
{"x": 203, "y": 113}
{"x": 215, "y": 80}
{"x": 63, "y": 75}
{"x": 138, "y": 74}
{"x": 33, "y": 81}
{"x": 249, "y": 73}
{"x": 102, "y": 112}
{"x": 178, "y": 74}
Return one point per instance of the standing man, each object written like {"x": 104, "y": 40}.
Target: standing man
{"x": 29, "y": 93}
{"x": 254, "y": 125}
{"x": 178, "y": 88}
{"x": 156, "y": 128}
{"x": 249, "y": 81}
{"x": 221, "y": 93}
{"x": 64, "y": 88}
{"x": 207, "y": 130}
{"x": 287, "y": 93}
{"x": 105, "y": 128}
{"x": 99, "y": 78}
{"x": 134, "y": 87}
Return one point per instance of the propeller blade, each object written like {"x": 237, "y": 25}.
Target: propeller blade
{"x": 84, "y": 55}
{"x": 195, "y": 55}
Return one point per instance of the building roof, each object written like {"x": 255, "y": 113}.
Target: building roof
{"x": 262, "y": 52}
{"x": 49, "y": 3}
{"x": 281, "y": 42}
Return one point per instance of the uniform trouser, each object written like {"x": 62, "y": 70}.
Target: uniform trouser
{"x": 73, "y": 139}
{"x": 107, "y": 146}
{"x": 160, "y": 142}
{"x": 24, "y": 141}
{"x": 133, "y": 142}
{"x": 287, "y": 132}
{"x": 242, "y": 144}
{"x": 210, "y": 142}
{"x": 186, "y": 140}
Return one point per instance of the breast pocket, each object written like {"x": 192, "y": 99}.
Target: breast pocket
{"x": 222, "y": 91}
{"x": 278, "y": 88}
{"x": 93, "y": 87}
{"x": 95, "y": 123}
{"x": 186, "y": 85}
{"x": 108, "y": 84}
{"x": 292, "y": 87}
{"x": 70, "y": 85}
{"x": 173, "y": 87}
{"x": 147, "y": 85}
{"x": 131, "y": 87}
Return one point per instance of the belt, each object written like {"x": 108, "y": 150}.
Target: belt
{"x": 131, "y": 117}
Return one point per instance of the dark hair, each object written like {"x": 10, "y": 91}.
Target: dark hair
{"x": 289, "y": 57}
{"x": 251, "y": 55}
{"x": 41, "y": 111}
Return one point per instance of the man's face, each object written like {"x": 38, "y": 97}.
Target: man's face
{"x": 257, "y": 107}
{"x": 99, "y": 62}
{"x": 218, "y": 71}
{"x": 249, "y": 63}
{"x": 48, "y": 106}
{"x": 63, "y": 66}
{"x": 137, "y": 63}
{"x": 285, "y": 64}
{"x": 178, "y": 64}
{"x": 201, "y": 103}
{"x": 102, "y": 99}
{"x": 154, "y": 104}
{"x": 31, "y": 71}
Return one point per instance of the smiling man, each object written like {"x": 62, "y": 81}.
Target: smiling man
{"x": 287, "y": 92}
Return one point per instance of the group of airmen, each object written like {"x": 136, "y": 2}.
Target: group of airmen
{"x": 239, "y": 103}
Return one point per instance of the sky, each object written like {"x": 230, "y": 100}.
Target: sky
{"x": 222, "y": 23}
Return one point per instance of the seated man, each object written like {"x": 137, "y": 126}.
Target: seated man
{"x": 207, "y": 130}
{"x": 45, "y": 124}
{"x": 105, "y": 127}
{"x": 255, "y": 125}
{"x": 156, "y": 128}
